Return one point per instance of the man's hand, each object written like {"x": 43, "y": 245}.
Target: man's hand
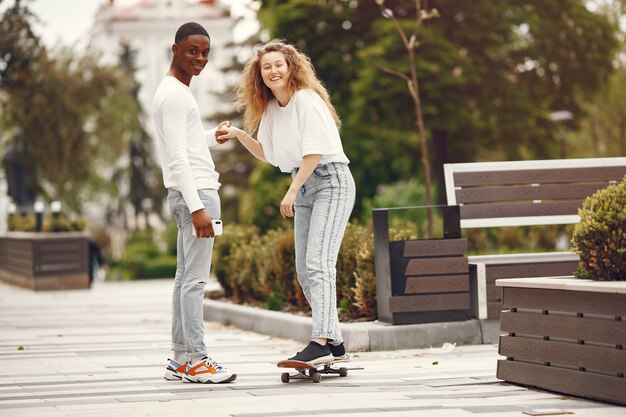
{"x": 220, "y": 131}
{"x": 202, "y": 222}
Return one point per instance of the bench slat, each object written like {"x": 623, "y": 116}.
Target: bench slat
{"x": 429, "y": 302}
{"x": 438, "y": 284}
{"x": 425, "y": 248}
{"x": 529, "y": 193}
{"x": 596, "y": 358}
{"x": 495, "y": 210}
{"x": 552, "y": 325}
{"x": 540, "y": 176}
{"x": 566, "y": 301}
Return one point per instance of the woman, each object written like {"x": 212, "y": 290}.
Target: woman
{"x": 297, "y": 131}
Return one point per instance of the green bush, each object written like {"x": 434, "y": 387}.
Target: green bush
{"x": 600, "y": 237}
{"x": 260, "y": 205}
{"x": 401, "y": 194}
{"x": 143, "y": 260}
{"x": 27, "y": 223}
{"x": 261, "y": 269}
{"x": 224, "y": 264}
{"x": 522, "y": 239}
{"x": 171, "y": 236}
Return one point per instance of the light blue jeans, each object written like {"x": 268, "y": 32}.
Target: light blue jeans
{"x": 322, "y": 210}
{"x": 193, "y": 265}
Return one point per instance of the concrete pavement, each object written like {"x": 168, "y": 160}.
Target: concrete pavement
{"x": 101, "y": 352}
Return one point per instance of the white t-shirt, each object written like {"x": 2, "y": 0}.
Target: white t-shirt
{"x": 304, "y": 126}
{"x": 182, "y": 142}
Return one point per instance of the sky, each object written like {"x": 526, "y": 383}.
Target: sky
{"x": 67, "y": 22}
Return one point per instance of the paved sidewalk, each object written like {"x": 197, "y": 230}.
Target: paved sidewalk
{"x": 101, "y": 352}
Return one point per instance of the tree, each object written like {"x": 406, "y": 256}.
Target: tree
{"x": 144, "y": 176}
{"x": 490, "y": 74}
{"x": 603, "y": 129}
{"x": 71, "y": 117}
{"x": 411, "y": 44}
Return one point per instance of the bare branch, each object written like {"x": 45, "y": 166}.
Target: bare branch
{"x": 390, "y": 71}
{"x": 396, "y": 25}
{"x": 418, "y": 17}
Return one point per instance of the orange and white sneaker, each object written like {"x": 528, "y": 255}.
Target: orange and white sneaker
{"x": 207, "y": 371}
{"x": 174, "y": 370}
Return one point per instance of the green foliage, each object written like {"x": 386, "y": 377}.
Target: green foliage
{"x": 69, "y": 116}
{"x": 603, "y": 130}
{"x": 170, "y": 235}
{"x": 521, "y": 239}
{"x": 261, "y": 202}
{"x": 490, "y": 73}
{"x": 260, "y": 269}
{"x": 401, "y": 194}
{"x": 600, "y": 237}
{"x": 224, "y": 264}
{"x": 142, "y": 259}
{"x": 27, "y": 223}
{"x": 21, "y": 223}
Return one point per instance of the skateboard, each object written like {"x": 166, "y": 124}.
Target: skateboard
{"x": 305, "y": 370}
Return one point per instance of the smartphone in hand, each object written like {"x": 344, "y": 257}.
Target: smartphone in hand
{"x": 217, "y": 228}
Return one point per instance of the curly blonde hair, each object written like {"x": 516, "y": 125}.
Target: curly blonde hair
{"x": 253, "y": 96}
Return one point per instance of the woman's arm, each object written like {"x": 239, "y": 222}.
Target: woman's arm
{"x": 251, "y": 144}
{"x": 309, "y": 162}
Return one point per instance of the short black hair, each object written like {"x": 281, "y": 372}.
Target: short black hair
{"x": 190, "y": 29}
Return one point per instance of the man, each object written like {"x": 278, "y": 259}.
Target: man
{"x": 192, "y": 183}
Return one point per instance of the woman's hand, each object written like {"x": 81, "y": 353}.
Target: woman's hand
{"x": 226, "y": 132}
{"x": 286, "y": 206}
{"x": 220, "y": 131}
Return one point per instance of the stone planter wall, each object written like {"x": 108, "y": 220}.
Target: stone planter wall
{"x": 565, "y": 335}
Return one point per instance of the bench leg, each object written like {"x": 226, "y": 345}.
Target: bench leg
{"x": 481, "y": 284}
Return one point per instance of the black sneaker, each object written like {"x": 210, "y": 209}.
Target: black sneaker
{"x": 339, "y": 352}
{"x": 315, "y": 354}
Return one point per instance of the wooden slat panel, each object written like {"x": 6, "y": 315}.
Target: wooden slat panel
{"x": 440, "y": 247}
{"x": 527, "y": 193}
{"x": 539, "y": 176}
{"x": 494, "y": 210}
{"x": 562, "y": 300}
{"x": 530, "y": 270}
{"x": 442, "y": 283}
{"x": 438, "y": 302}
{"x": 592, "y": 358}
{"x": 494, "y": 293}
{"x": 493, "y": 309}
{"x": 16, "y": 256}
{"x": 454, "y": 265}
{"x": 590, "y": 329}
{"x": 584, "y": 384}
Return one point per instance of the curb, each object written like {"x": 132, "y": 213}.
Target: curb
{"x": 358, "y": 337}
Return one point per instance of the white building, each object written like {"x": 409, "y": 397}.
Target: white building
{"x": 148, "y": 27}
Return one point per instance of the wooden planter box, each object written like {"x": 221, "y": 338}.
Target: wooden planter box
{"x": 45, "y": 261}
{"x": 565, "y": 335}
{"x": 421, "y": 281}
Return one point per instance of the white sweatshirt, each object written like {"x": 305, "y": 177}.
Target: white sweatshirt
{"x": 304, "y": 126}
{"x": 182, "y": 142}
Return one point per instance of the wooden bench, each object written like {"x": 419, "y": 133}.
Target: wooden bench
{"x": 523, "y": 193}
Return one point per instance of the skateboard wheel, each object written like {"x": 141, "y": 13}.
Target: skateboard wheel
{"x": 316, "y": 377}
{"x": 343, "y": 372}
{"x": 312, "y": 371}
{"x": 284, "y": 377}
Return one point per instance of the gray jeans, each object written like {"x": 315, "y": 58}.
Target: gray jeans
{"x": 322, "y": 210}
{"x": 193, "y": 265}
